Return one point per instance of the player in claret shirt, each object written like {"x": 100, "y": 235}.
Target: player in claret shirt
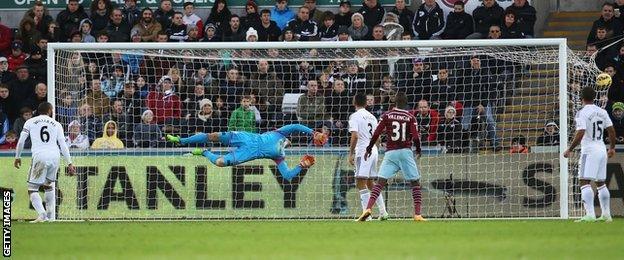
{"x": 401, "y": 132}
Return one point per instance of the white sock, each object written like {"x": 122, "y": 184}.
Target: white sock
{"x": 364, "y": 196}
{"x": 381, "y": 204}
{"x": 605, "y": 198}
{"x": 587, "y": 195}
{"x": 50, "y": 200}
{"x": 37, "y": 204}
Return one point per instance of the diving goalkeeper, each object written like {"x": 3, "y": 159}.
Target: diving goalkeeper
{"x": 251, "y": 146}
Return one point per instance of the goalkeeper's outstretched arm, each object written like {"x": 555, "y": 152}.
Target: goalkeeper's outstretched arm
{"x": 289, "y": 129}
{"x": 287, "y": 173}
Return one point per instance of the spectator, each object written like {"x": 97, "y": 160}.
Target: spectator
{"x": 131, "y": 101}
{"x": 23, "y": 87}
{"x": 109, "y": 138}
{"x": 10, "y": 141}
{"x": 252, "y": 19}
{"x": 378, "y": 33}
{"x": 329, "y": 29}
{"x": 75, "y": 37}
{"x": 510, "y": 28}
{"x": 601, "y": 41}
{"x": 339, "y": 104}
{"x": 17, "y": 57}
{"x": 450, "y": 132}
{"x": 231, "y": 87}
{"x": 234, "y": 32}
{"x": 444, "y": 90}
{"x": 124, "y": 120}
{"x": 5, "y": 74}
{"x": 176, "y": 30}
{"x": 495, "y": 32}
{"x": 311, "y": 107}
{"x": 267, "y": 29}
{"x": 325, "y": 85}
{"x": 40, "y": 96}
{"x": 343, "y": 18}
{"x": 42, "y": 43}
{"x": 616, "y": 90}
{"x": 220, "y": 15}
{"x": 37, "y": 66}
{"x": 281, "y": 14}
{"x": 243, "y": 118}
{"x": 486, "y": 15}
{"x": 251, "y": 35}
{"x": 25, "y": 113}
{"x": 306, "y": 73}
{"x": 288, "y": 36}
{"x": 550, "y": 137}
{"x": 525, "y": 17}
{"x": 8, "y": 103}
{"x": 210, "y": 35}
{"x": 617, "y": 116}
{"x": 87, "y": 119}
{"x": 54, "y": 34}
{"x": 614, "y": 26}
{"x": 4, "y": 126}
{"x": 118, "y": 29}
{"x": 303, "y": 28}
{"x": 103, "y": 36}
{"x": 428, "y": 120}
{"x": 372, "y": 106}
{"x": 358, "y": 30}
{"x": 148, "y": 27}
{"x": 479, "y": 98}
{"x": 131, "y": 13}
{"x": 391, "y": 27}
{"x": 69, "y": 19}
{"x": 27, "y": 33}
{"x": 165, "y": 104}
{"x": 269, "y": 87}
{"x": 111, "y": 86}
{"x": 518, "y": 145}
{"x": 205, "y": 119}
{"x": 40, "y": 15}
{"x": 146, "y": 133}
{"x": 67, "y": 110}
{"x": 406, "y": 16}
{"x": 458, "y": 23}
{"x": 75, "y": 139}
{"x": 428, "y": 21}
{"x": 193, "y": 33}
{"x": 191, "y": 102}
{"x": 419, "y": 75}
{"x": 98, "y": 102}
{"x": 343, "y": 34}
{"x": 85, "y": 30}
{"x": 100, "y": 13}
{"x": 372, "y": 12}
{"x": 190, "y": 18}
{"x": 6, "y": 37}
{"x": 164, "y": 13}
{"x": 618, "y": 10}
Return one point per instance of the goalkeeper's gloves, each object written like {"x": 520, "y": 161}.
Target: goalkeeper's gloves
{"x": 172, "y": 139}
{"x": 307, "y": 161}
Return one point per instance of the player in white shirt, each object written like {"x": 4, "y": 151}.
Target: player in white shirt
{"x": 591, "y": 123}
{"x": 361, "y": 126}
{"x": 46, "y": 136}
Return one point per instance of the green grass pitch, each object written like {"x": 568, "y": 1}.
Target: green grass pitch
{"x": 501, "y": 239}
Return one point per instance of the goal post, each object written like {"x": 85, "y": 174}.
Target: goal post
{"x": 464, "y": 174}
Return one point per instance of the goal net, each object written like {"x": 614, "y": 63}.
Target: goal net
{"x": 483, "y": 109}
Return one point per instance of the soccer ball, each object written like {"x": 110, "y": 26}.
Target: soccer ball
{"x": 603, "y": 81}
{"x": 320, "y": 139}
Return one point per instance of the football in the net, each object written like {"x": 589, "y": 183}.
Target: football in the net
{"x": 603, "y": 81}
{"x": 320, "y": 139}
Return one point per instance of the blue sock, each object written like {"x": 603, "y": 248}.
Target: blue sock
{"x": 201, "y": 138}
{"x": 211, "y": 156}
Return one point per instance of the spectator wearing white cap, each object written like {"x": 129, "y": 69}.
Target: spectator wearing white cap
{"x": 75, "y": 139}
{"x": 252, "y": 35}
{"x": 6, "y": 75}
{"x": 550, "y": 137}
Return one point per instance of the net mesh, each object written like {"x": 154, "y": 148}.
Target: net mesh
{"x": 481, "y": 111}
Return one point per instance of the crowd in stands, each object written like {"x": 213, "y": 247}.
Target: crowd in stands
{"x": 121, "y": 100}
{"x": 605, "y": 41}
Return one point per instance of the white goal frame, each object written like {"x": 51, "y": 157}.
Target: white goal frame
{"x": 562, "y": 70}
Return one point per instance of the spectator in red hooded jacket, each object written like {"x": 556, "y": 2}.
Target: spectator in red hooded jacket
{"x": 17, "y": 56}
{"x": 165, "y": 104}
{"x": 428, "y": 120}
{"x": 6, "y": 36}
